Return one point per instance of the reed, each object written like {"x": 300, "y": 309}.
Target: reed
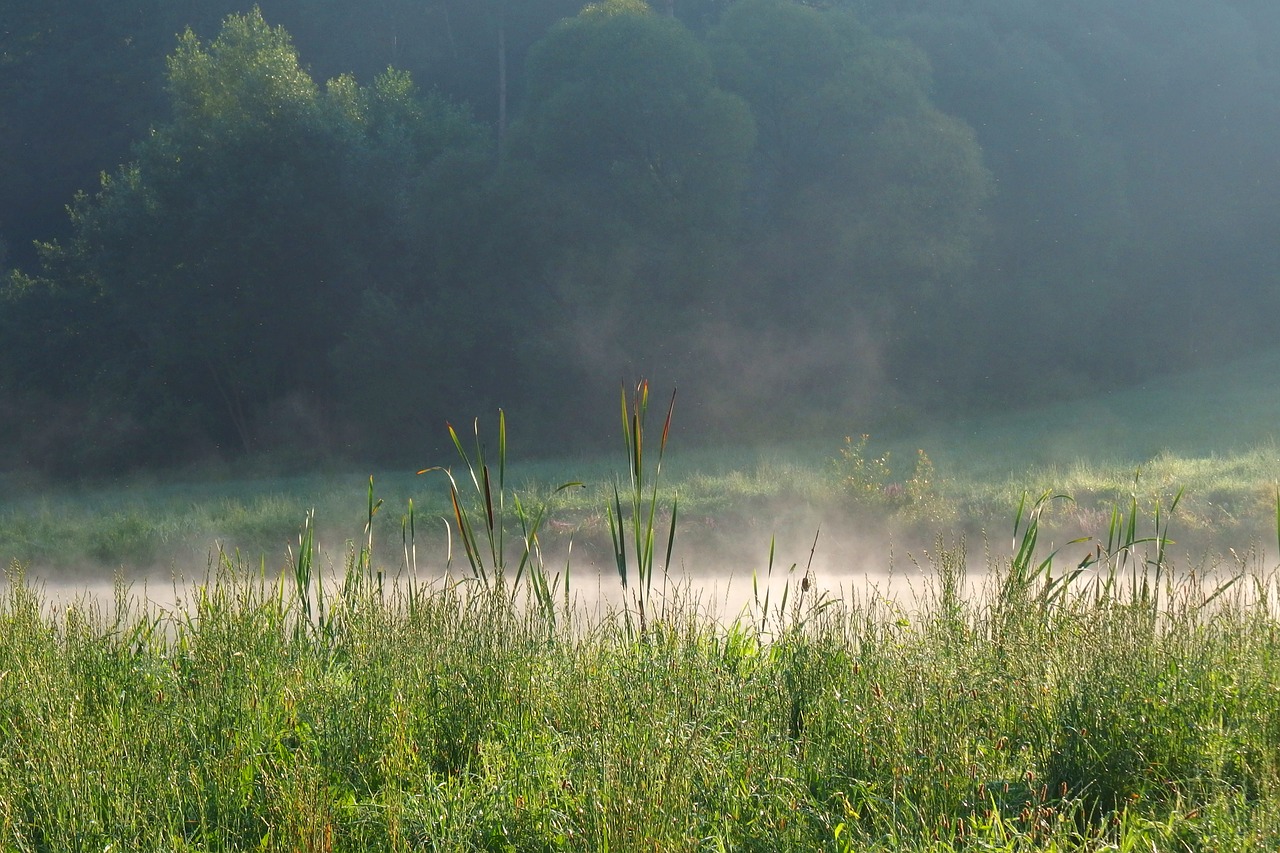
{"x": 482, "y": 526}
{"x": 639, "y": 522}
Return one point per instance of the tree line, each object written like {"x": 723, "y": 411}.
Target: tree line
{"x": 338, "y": 224}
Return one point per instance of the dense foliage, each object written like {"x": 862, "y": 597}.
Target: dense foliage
{"x": 830, "y": 208}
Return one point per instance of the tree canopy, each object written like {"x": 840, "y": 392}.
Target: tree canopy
{"x": 332, "y": 225}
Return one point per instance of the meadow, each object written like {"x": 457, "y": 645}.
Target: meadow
{"x": 1032, "y": 692}
{"x": 1210, "y": 433}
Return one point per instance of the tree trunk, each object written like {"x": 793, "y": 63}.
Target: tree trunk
{"x": 502, "y": 80}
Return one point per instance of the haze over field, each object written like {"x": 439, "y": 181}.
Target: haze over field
{"x": 324, "y": 229}
{"x": 1213, "y": 439}
{"x": 960, "y": 533}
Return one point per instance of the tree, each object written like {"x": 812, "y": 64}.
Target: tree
{"x": 430, "y": 335}
{"x": 623, "y": 111}
{"x": 1130, "y": 146}
{"x": 862, "y": 188}
{"x": 631, "y": 163}
{"x": 229, "y": 257}
{"x": 78, "y": 80}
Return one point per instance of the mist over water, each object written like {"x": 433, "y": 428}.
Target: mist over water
{"x": 717, "y": 573}
{"x": 720, "y": 567}
{"x": 967, "y": 314}
{"x": 718, "y": 551}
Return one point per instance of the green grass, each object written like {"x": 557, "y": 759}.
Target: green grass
{"x": 144, "y": 529}
{"x": 1134, "y": 706}
{"x": 1211, "y": 433}
{"x": 308, "y": 700}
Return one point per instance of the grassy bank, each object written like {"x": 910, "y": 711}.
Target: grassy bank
{"x": 1117, "y": 709}
{"x": 150, "y": 529}
{"x": 1210, "y": 434}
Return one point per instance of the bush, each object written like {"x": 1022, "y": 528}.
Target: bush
{"x": 869, "y": 482}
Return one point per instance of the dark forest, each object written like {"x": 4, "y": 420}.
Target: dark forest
{"x": 322, "y": 228}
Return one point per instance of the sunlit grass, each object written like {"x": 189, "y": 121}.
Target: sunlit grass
{"x": 1231, "y": 493}
{"x": 1211, "y": 433}
{"x": 1124, "y": 701}
{"x": 1132, "y": 707}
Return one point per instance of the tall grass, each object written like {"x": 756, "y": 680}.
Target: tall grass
{"x": 1119, "y": 702}
{"x": 457, "y": 722}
